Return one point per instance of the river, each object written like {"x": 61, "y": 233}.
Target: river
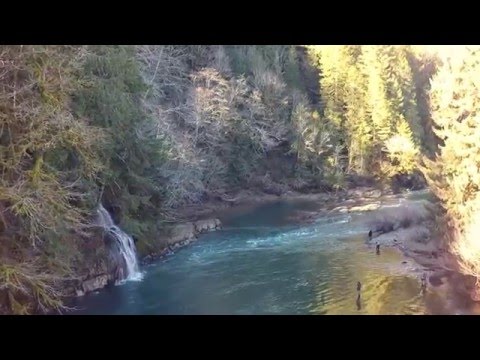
{"x": 261, "y": 262}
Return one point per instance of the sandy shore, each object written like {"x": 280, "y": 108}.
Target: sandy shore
{"x": 410, "y": 228}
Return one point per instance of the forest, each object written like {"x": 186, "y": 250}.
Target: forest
{"x": 150, "y": 130}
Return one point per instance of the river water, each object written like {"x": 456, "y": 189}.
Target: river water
{"x": 261, "y": 262}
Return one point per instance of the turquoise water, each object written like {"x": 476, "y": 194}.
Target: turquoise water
{"x": 261, "y": 263}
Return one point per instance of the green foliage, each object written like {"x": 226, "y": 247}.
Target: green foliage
{"x": 402, "y": 152}
{"x": 367, "y": 92}
{"x": 291, "y": 69}
{"x": 146, "y": 129}
{"x": 423, "y": 67}
{"x": 25, "y": 282}
{"x": 223, "y": 125}
{"x": 257, "y": 60}
{"x": 313, "y": 138}
{"x": 49, "y": 161}
{"x": 133, "y": 154}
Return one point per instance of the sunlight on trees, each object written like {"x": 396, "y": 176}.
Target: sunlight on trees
{"x": 454, "y": 175}
{"x": 149, "y": 129}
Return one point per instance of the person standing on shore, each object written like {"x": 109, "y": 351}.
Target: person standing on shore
{"x": 424, "y": 283}
{"x": 359, "y": 289}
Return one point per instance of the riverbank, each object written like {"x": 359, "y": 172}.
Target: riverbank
{"x": 410, "y": 228}
{"x": 263, "y": 261}
{"x": 407, "y": 227}
{"x": 244, "y": 198}
{"x": 194, "y": 220}
{"x": 186, "y": 230}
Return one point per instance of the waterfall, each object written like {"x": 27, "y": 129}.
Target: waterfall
{"x": 125, "y": 244}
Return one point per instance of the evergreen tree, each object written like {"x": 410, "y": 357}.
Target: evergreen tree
{"x": 133, "y": 153}
{"x": 423, "y": 66}
{"x": 401, "y": 89}
{"x": 454, "y": 175}
{"x": 377, "y": 105}
{"x": 367, "y": 92}
{"x": 359, "y": 127}
{"x": 333, "y": 63}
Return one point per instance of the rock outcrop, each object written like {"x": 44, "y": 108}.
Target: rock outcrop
{"x": 180, "y": 235}
{"x": 93, "y": 284}
{"x": 176, "y": 237}
{"x": 181, "y": 232}
{"x": 364, "y": 192}
{"x": 206, "y": 225}
{"x": 366, "y": 207}
{"x": 189, "y": 231}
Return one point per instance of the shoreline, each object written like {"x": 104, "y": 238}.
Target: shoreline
{"x": 428, "y": 258}
{"x": 211, "y": 211}
{"x": 193, "y": 220}
{"x": 421, "y": 245}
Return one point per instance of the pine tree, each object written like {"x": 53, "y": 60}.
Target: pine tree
{"x": 333, "y": 63}
{"x": 401, "y": 90}
{"x": 356, "y": 115}
{"x": 133, "y": 153}
{"x": 341, "y": 94}
{"x": 367, "y": 92}
{"x": 454, "y": 175}
{"x": 378, "y": 107}
{"x": 423, "y": 66}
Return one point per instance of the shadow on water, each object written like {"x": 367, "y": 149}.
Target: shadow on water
{"x": 261, "y": 263}
{"x": 274, "y": 214}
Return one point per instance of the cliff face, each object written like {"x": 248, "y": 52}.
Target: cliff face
{"x": 111, "y": 269}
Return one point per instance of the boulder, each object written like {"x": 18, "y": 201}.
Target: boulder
{"x": 364, "y": 192}
{"x": 206, "y": 225}
{"x": 340, "y": 209}
{"x": 373, "y": 193}
{"x": 181, "y": 232}
{"x": 367, "y": 207}
{"x": 95, "y": 283}
{"x": 356, "y": 193}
